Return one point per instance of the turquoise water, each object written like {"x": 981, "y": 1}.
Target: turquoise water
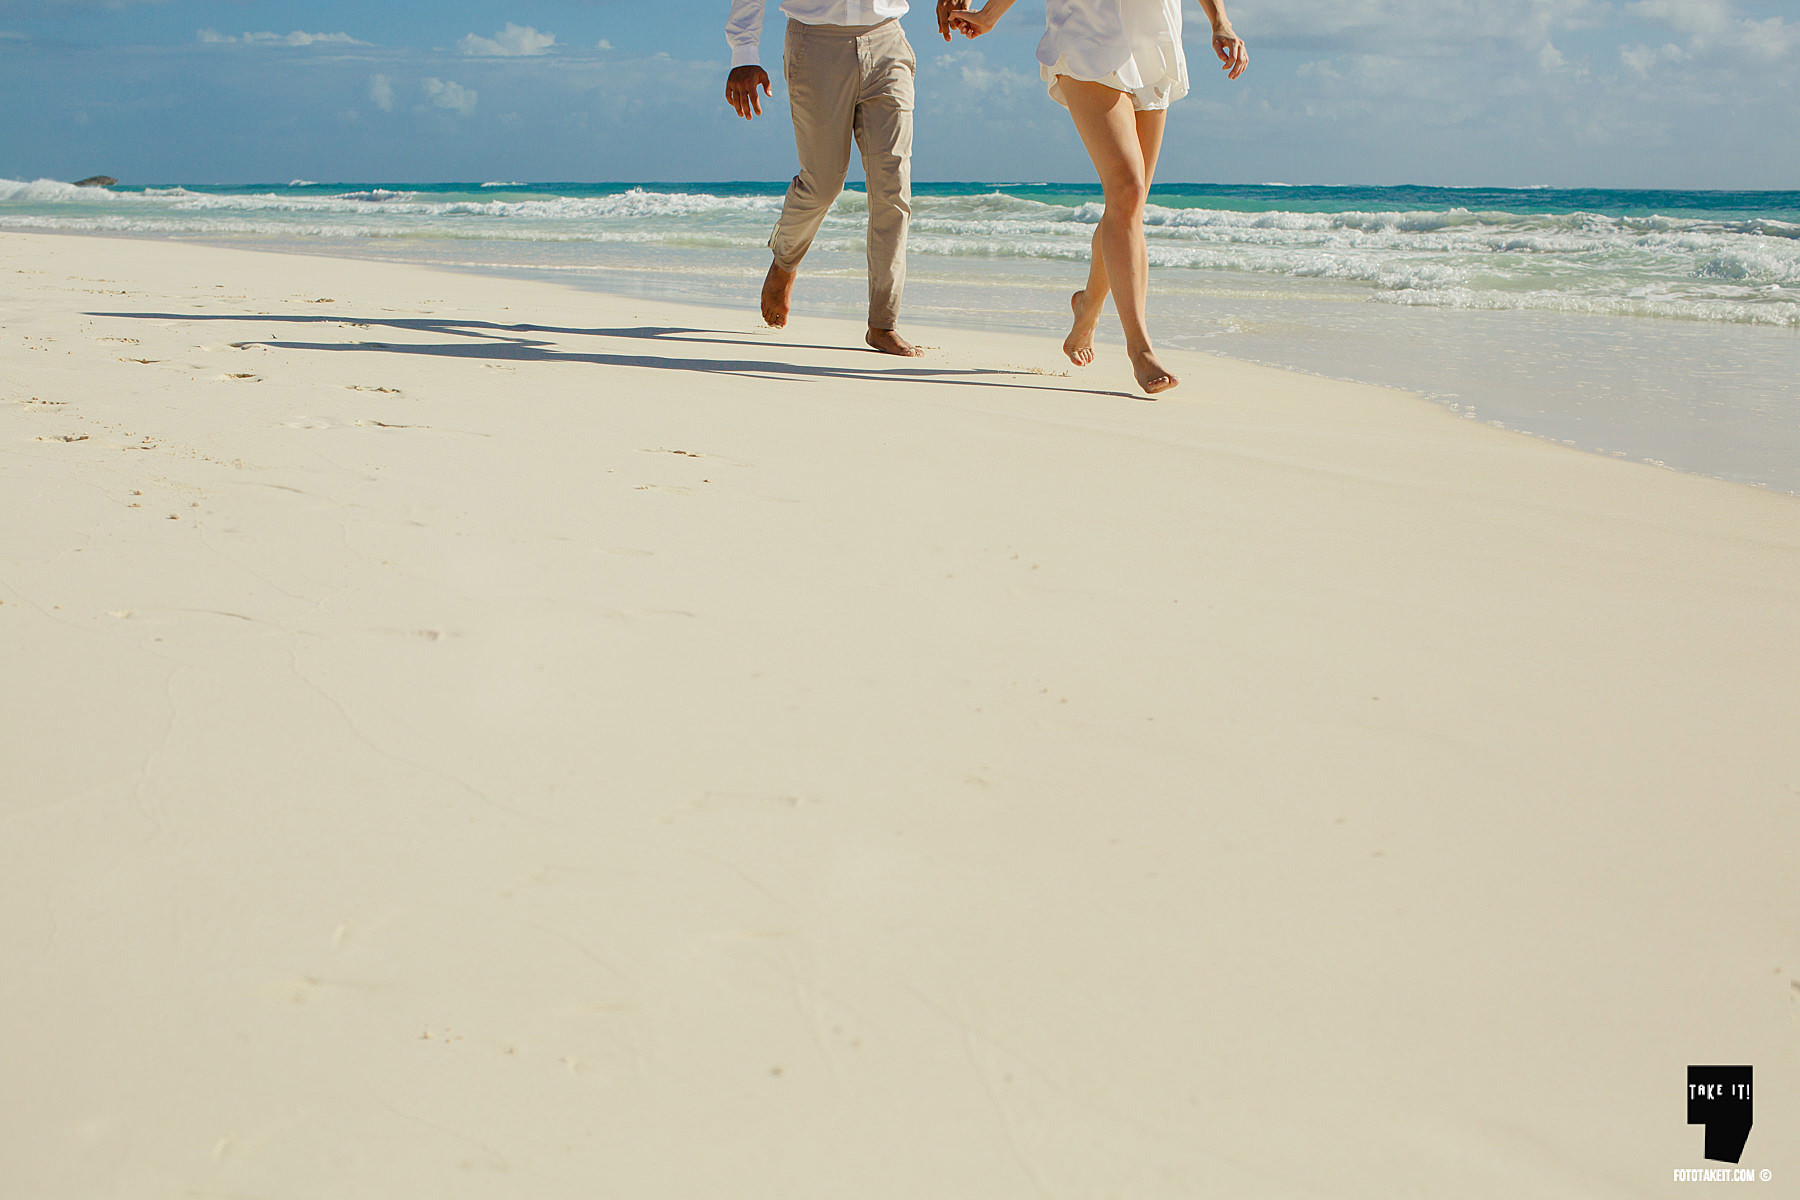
{"x": 1657, "y": 325}
{"x": 1717, "y": 256}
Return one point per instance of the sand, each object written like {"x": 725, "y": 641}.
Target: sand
{"x": 467, "y": 737}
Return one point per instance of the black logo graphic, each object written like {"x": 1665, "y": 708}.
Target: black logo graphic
{"x": 1719, "y": 1098}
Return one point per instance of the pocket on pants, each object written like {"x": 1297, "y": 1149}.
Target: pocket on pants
{"x": 898, "y": 76}
{"x": 790, "y": 54}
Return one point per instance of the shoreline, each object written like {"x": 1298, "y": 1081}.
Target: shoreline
{"x": 1660, "y": 416}
{"x": 468, "y": 730}
{"x": 594, "y": 277}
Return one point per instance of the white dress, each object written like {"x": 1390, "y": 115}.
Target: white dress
{"x": 1133, "y": 46}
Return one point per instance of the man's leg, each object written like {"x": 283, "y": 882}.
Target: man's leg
{"x": 884, "y": 132}
{"x": 821, "y": 72}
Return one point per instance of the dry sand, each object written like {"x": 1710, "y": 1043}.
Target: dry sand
{"x": 475, "y": 738}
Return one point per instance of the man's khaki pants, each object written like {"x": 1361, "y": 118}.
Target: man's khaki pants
{"x": 849, "y": 81}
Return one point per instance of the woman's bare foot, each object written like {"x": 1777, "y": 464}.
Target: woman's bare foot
{"x": 777, "y": 295}
{"x": 1079, "y": 345}
{"x": 889, "y": 342}
{"x": 1152, "y": 376}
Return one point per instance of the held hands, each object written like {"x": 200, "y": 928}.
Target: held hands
{"x": 947, "y": 13}
{"x": 957, "y": 15}
{"x": 740, "y": 90}
{"x": 974, "y": 24}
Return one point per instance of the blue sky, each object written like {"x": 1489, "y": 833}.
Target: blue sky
{"x": 1626, "y": 93}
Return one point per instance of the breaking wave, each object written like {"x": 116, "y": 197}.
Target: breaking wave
{"x": 1738, "y": 265}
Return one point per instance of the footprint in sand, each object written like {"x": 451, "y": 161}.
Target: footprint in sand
{"x": 692, "y": 454}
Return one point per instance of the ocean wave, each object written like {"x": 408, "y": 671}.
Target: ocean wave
{"x": 1751, "y": 265}
{"x": 372, "y": 196}
{"x": 45, "y": 191}
{"x": 1737, "y": 268}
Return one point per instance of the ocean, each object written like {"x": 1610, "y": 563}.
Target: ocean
{"x": 1659, "y": 326}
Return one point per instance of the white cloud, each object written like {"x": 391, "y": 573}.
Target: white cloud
{"x": 602, "y": 44}
{"x": 976, "y": 75}
{"x": 381, "y": 92}
{"x": 8, "y": 36}
{"x": 512, "y": 42}
{"x": 213, "y": 37}
{"x": 297, "y": 38}
{"x": 1383, "y": 24}
{"x": 1712, "y": 25}
{"x": 1697, "y": 17}
{"x": 447, "y": 94}
{"x": 1643, "y": 59}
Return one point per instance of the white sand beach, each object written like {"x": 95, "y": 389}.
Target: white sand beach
{"x": 469, "y": 737}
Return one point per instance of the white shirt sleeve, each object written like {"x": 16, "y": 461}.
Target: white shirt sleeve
{"x": 743, "y": 29}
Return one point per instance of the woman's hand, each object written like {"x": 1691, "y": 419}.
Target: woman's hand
{"x": 1234, "y": 56}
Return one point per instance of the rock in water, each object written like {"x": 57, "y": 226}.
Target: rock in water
{"x": 96, "y": 181}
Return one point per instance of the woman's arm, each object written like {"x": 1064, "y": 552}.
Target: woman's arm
{"x": 1233, "y": 54}
{"x": 974, "y": 24}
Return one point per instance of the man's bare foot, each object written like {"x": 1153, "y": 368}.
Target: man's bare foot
{"x": 1152, "y": 376}
{"x": 777, "y": 295}
{"x": 1079, "y": 345}
{"x": 889, "y": 342}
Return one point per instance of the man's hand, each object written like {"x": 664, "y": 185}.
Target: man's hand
{"x": 945, "y": 10}
{"x": 1234, "y": 56}
{"x": 740, "y": 90}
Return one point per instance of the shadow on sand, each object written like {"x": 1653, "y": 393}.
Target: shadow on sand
{"x": 486, "y": 340}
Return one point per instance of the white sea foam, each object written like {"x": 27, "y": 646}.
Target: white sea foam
{"x": 44, "y": 191}
{"x": 1745, "y": 270}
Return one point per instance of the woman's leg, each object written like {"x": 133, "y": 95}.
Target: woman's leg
{"x": 1109, "y": 129}
{"x": 1088, "y": 304}
{"x": 1090, "y": 301}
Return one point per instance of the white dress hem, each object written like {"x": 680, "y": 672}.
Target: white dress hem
{"x": 1131, "y": 46}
